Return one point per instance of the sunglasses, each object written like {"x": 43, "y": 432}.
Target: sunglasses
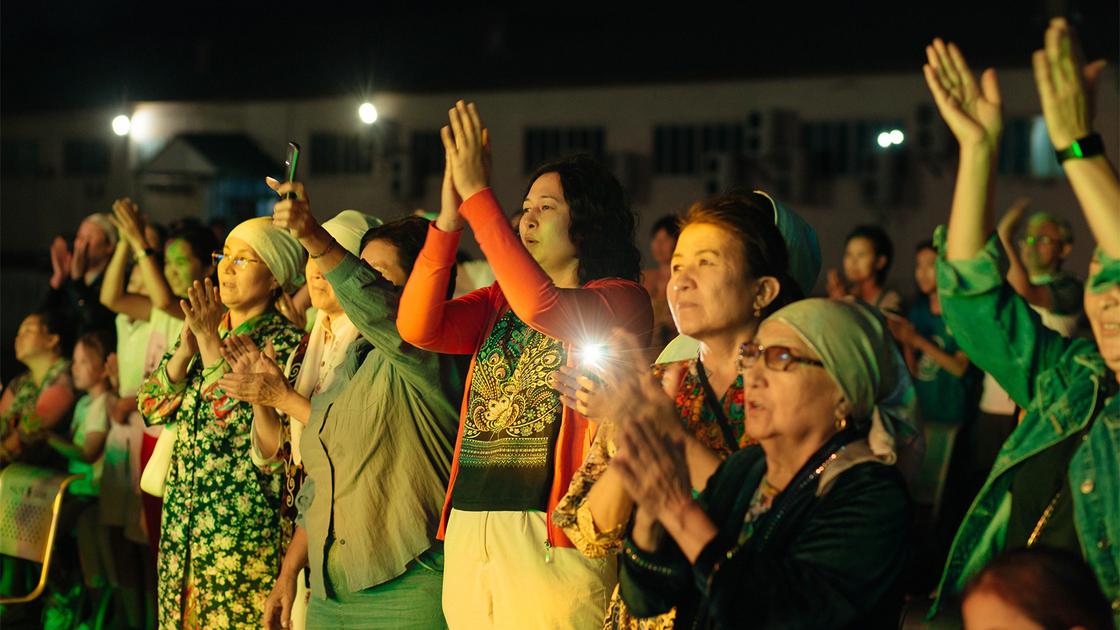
{"x": 238, "y": 262}
{"x": 777, "y": 358}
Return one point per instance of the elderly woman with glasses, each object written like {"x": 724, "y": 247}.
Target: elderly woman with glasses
{"x": 220, "y": 545}
{"x": 806, "y": 529}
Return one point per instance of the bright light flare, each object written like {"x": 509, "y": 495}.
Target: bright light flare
{"x": 121, "y": 125}
{"x": 896, "y": 136}
{"x": 368, "y": 113}
{"x": 884, "y": 139}
{"x": 592, "y": 355}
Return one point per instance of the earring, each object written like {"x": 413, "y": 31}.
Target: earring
{"x": 841, "y": 423}
{"x": 757, "y": 312}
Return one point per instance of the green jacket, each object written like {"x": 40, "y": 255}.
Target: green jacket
{"x": 1064, "y": 386}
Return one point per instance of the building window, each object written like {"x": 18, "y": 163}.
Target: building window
{"x": 548, "y": 143}
{"x": 340, "y": 154}
{"x": 675, "y": 150}
{"x": 85, "y": 157}
{"x": 426, "y": 151}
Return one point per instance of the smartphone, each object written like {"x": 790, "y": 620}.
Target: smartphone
{"x": 291, "y": 160}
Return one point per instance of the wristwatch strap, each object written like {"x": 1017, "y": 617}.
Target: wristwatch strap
{"x": 1089, "y": 146}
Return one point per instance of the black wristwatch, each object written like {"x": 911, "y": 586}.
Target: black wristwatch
{"x": 1090, "y": 146}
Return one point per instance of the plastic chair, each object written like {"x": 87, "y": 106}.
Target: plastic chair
{"x": 30, "y": 503}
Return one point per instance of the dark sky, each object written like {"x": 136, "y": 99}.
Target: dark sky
{"x": 59, "y": 54}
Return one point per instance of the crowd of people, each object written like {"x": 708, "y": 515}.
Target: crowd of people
{"x": 344, "y": 424}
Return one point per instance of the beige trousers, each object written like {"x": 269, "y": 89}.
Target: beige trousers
{"x": 496, "y": 575}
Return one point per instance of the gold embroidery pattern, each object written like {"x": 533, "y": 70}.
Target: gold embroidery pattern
{"x": 511, "y": 403}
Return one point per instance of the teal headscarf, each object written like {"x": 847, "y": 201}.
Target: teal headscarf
{"x": 859, "y": 354}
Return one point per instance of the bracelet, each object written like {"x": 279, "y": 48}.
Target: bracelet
{"x": 144, "y": 253}
{"x": 1090, "y": 146}
{"x": 325, "y": 251}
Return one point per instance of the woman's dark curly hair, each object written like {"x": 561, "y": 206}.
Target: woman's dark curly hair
{"x": 602, "y": 223}
{"x": 750, "y": 219}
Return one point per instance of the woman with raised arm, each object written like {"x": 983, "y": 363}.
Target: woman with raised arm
{"x": 220, "y": 546}
{"x": 382, "y": 429}
{"x": 567, "y": 281}
{"x": 807, "y": 529}
{"x": 1056, "y": 479}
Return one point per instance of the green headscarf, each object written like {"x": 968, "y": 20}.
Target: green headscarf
{"x": 859, "y": 354}
{"x": 1108, "y": 276}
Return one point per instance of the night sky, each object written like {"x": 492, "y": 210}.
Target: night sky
{"x": 70, "y": 54}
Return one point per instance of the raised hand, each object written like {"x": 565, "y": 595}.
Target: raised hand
{"x": 60, "y": 261}
{"x": 202, "y": 310}
{"x": 290, "y": 214}
{"x": 1065, "y": 88}
{"x": 1013, "y": 217}
{"x": 129, "y": 223}
{"x": 972, "y": 111}
{"x": 466, "y": 143}
{"x": 449, "y": 219}
{"x": 836, "y": 288}
{"x": 79, "y": 261}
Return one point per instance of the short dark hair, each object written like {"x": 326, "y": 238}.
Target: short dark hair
{"x": 602, "y": 223}
{"x": 749, "y": 218}
{"x": 880, "y": 242}
{"x": 671, "y": 223}
{"x": 924, "y": 245}
{"x": 100, "y": 341}
{"x": 198, "y": 236}
{"x": 1052, "y": 587}
{"x": 407, "y": 234}
{"x": 57, "y": 323}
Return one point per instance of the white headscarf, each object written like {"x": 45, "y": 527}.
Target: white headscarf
{"x": 280, "y": 251}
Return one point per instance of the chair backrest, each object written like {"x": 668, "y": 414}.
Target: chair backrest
{"x": 30, "y": 501}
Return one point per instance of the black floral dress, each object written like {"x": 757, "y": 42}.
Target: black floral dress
{"x": 221, "y": 542}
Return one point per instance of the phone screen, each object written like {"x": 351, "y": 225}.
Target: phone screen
{"x": 291, "y": 160}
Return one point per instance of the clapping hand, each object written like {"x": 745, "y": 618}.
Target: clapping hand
{"x": 467, "y": 147}
{"x": 60, "y": 261}
{"x": 255, "y": 376}
{"x": 202, "y": 310}
{"x": 1065, "y": 88}
{"x": 126, "y": 218}
{"x": 972, "y": 111}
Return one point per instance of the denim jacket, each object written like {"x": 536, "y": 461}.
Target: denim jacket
{"x": 1063, "y": 385}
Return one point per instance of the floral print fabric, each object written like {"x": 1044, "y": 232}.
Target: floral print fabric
{"x": 221, "y": 542}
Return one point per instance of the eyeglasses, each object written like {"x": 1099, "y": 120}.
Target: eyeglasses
{"x": 777, "y": 358}
{"x": 1031, "y": 241}
{"x": 238, "y": 262}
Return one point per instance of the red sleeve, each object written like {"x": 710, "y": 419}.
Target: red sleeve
{"x": 575, "y": 316}
{"x": 426, "y": 318}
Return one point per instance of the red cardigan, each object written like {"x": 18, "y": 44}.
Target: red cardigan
{"x": 459, "y": 326}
